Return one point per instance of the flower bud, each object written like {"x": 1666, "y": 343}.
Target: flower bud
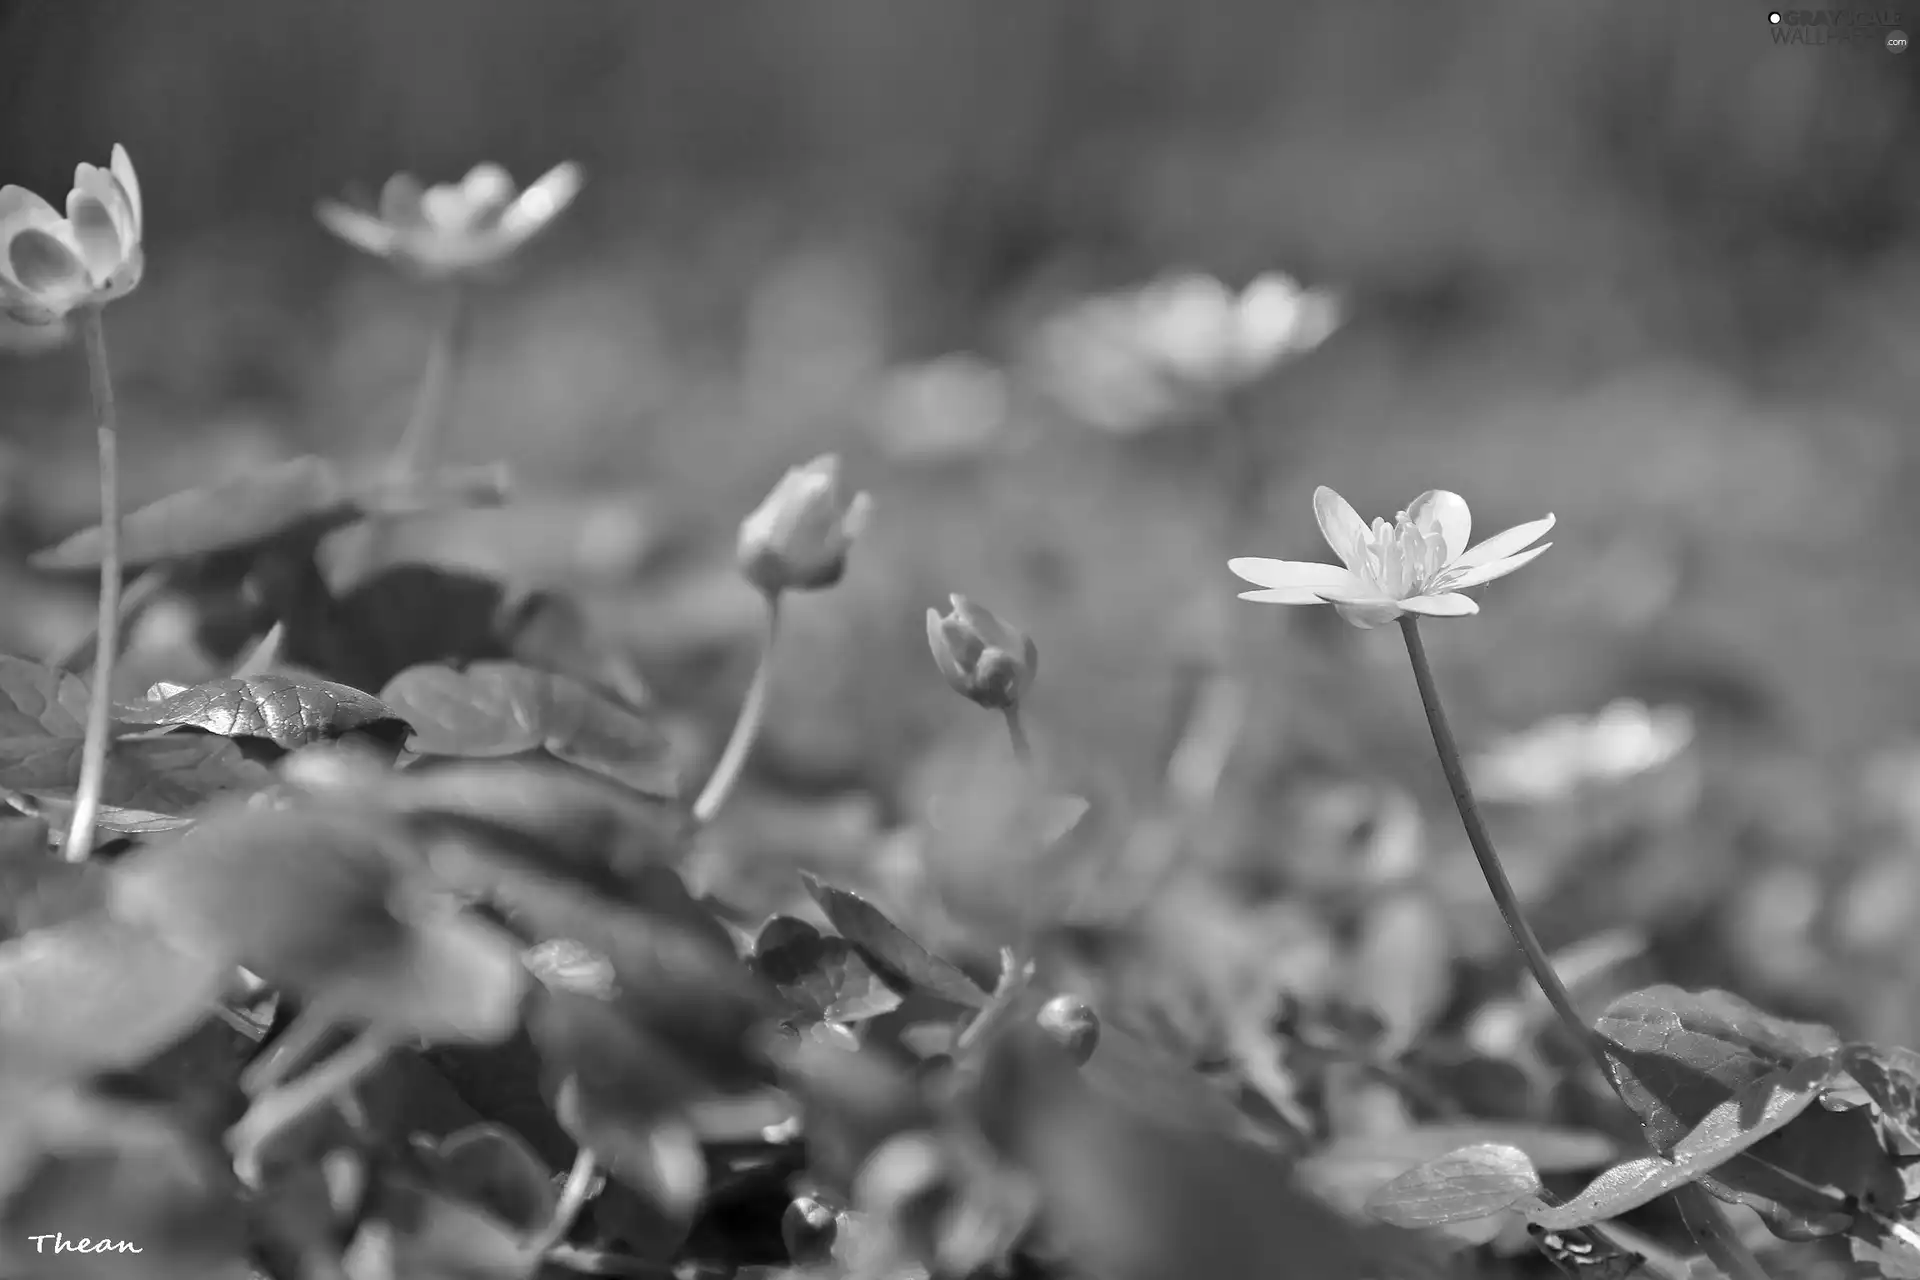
{"x": 1070, "y": 1024}
{"x": 797, "y": 538}
{"x": 984, "y": 659}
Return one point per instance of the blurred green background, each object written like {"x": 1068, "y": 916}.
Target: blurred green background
{"x": 1632, "y": 263}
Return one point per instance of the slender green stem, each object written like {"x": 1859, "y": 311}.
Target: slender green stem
{"x": 746, "y": 728}
{"x": 281, "y": 1108}
{"x": 93, "y": 752}
{"x": 420, "y": 442}
{"x": 1483, "y": 852}
{"x": 265, "y": 655}
{"x": 1017, "y": 731}
{"x": 1702, "y": 1214}
{"x": 573, "y": 1198}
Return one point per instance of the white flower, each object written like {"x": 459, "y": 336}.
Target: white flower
{"x": 454, "y": 227}
{"x": 1559, "y": 756}
{"x": 50, "y": 265}
{"x": 1129, "y": 361}
{"x": 1418, "y": 564}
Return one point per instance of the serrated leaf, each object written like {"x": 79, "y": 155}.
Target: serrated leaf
{"x": 504, "y": 708}
{"x": 95, "y": 994}
{"x": 1891, "y": 1077}
{"x": 823, "y": 977}
{"x": 897, "y": 957}
{"x": 168, "y": 775}
{"x": 38, "y": 700}
{"x": 1461, "y": 1186}
{"x": 286, "y": 711}
{"x": 302, "y": 498}
{"x": 1727, "y": 1130}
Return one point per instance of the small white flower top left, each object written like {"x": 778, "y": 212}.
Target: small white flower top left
{"x": 454, "y": 227}
{"x": 50, "y": 265}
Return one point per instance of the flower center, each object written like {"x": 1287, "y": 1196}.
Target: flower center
{"x": 1400, "y": 559}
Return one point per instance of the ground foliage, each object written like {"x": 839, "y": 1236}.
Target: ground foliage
{"x": 487, "y": 874}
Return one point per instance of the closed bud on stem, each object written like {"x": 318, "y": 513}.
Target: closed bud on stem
{"x": 797, "y": 539}
{"x": 985, "y": 660}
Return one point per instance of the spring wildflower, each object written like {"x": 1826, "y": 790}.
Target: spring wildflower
{"x": 1418, "y": 564}
{"x": 985, "y": 660}
{"x": 797, "y": 539}
{"x": 458, "y": 226}
{"x": 50, "y": 265}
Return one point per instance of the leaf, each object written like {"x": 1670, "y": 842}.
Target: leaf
{"x": 36, "y": 700}
{"x": 503, "y": 708}
{"x": 169, "y": 775}
{"x": 1403, "y": 966}
{"x": 1131, "y": 1196}
{"x": 296, "y": 895}
{"x": 661, "y": 1160}
{"x": 1352, "y": 1168}
{"x": 57, "y": 812}
{"x": 493, "y": 1167}
{"x": 457, "y": 978}
{"x": 95, "y": 994}
{"x": 549, "y": 817}
{"x": 289, "y": 712}
{"x": 298, "y": 500}
{"x": 1891, "y": 1077}
{"x": 823, "y": 977}
{"x": 1461, "y": 1186}
{"x": 419, "y": 1233}
{"x": 1726, "y": 1131}
{"x": 897, "y": 957}
{"x": 39, "y": 888}
{"x": 1685, "y": 1052}
{"x": 1893, "y": 1249}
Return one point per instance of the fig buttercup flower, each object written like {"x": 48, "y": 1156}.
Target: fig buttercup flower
{"x": 454, "y": 227}
{"x": 985, "y": 660}
{"x": 51, "y": 265}
{"x": 1419, "y": 564}
{"x": 797, "y": 539}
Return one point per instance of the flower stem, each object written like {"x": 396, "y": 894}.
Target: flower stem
{"x": 1700, "y": 1212}
{"x": 573, "y": 1198}
{"x": 746, "y": 728}
{"x": 1017, "y": 731}
{"x": 279, "y": 1109}
{"x": 426, "y": 425}
{"x": 93, "y": 752}
{"x": 421, "y": 439}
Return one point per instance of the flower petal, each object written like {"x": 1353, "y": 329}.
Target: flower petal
{"x": 122, "y": 168}
{"x": 1287, "y": 574}
{"x": 95, "y": 228}
{"x": 400, "y": 201}
{"x": 1368, "y": 614}
{"x": 1502, "y": 545}
{"x": 360, "y": 229}
{"x": 1497, "y": 569}
{"x": 45, "y": 263}
{"x": 1444, "y": 513}
{"x": 543, "y": 201}
{"x": 19, "y": 210}
{"x": 1446, "y": 605}
{"x": 1340, "y": 524}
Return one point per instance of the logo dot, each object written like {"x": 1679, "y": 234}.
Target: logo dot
{"x": 1774, "y": 17}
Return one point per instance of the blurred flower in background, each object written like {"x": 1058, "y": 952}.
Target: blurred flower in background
{"x": 955, "y": 406}
{"x": 454, "y": 227}
{"x": 1129, "y": 362}
{"x": 1561, "y": 755}
{"x": 49, "y": 265}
